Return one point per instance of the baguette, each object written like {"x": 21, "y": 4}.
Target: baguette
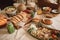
{"x": 20, "y": 17}
{"x": 17, "y": 18}
{"x": 13, "y": 19}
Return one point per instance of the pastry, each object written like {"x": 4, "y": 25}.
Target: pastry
{"x": 18, "y": 18}
{"x": 35, "y": 20}
{"x": 15, "y": 20}
{"x": 3, "y": 20}
{"x": 43, "y": 33}
{"x": 21, "y": 7}
{"x": 46, "y": 21}
{"x": 48, "y": 15}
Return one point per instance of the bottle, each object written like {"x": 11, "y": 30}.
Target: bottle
{"x": 10, "y": 27}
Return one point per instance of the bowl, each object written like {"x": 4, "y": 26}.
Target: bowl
{"x": 10, "y": 10}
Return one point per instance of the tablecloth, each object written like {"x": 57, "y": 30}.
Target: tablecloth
{"x": 20, "y": 34}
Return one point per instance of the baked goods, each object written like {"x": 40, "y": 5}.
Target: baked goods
{"x": 16, "y": 19}
{"x": 35, "y": 20}
{"x": 20, "y": 17}
{"x": 46, "y": 21}
{"x": 3, "y": 20}
{"x": 42, "y": 33}
{"x": 48, "y": 15}
{"x": 21, "y": 7}
{"x": 25, "y": 16}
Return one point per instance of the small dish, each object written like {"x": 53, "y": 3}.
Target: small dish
{"x": 10, "y": 10}
{"x": 46, "y": 21}
{"x": 55, "y": 11}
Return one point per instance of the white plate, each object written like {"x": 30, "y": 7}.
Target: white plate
{"x": 55, "y": 25}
